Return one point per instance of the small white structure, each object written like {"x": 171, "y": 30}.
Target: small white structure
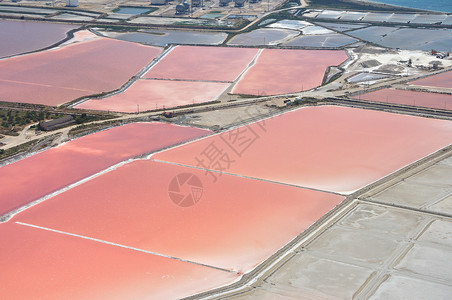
{"x": 72, "y": 3}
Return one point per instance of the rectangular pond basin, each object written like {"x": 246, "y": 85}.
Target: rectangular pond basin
{"x": 180, "y": 212}
{"x": 132, "y": 10}
{"x": 46, "y": 172}
{"x": 263, "y": 36}
{"x": 40, "y": 263}
{"x": 279, "y": 71}
{"x": 148, "y": 94}
{"x": 442, "y": 80}
{"x": 202, "y": 63}
{"x": 336, "y": 149}
{"x": 60, "y": 75}
{"x": 411, "y": 98}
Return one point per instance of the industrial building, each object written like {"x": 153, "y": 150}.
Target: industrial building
{"x": 57, "y": 123}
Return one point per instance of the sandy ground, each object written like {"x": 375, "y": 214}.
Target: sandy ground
{"x": 25, "y": 135}
{"x": 393, "y": 62}
{"x": 226, "y": 117}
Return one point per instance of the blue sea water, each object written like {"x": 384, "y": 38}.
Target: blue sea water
{"x": 435, "y": 5}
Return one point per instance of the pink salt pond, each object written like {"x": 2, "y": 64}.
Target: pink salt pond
{"x": 233, "y": 224}
{"x": 412, "y": 98}
{"x": 279, "y": 71}
{"x": 46, "y": 172}
{"x": 57, "y": 76}
{"x": 203, "y": 63}
{"x": 153, "y": 94}
{"x": 336, "y": 149}
{"x": 443, "y": 80}
{"x": 41, "y": 264}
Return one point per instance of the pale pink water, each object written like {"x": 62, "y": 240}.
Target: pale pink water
{"x": 57, "y": 76}
{"x": 153, "y": 94}
{"x": 328, "y": 148}
{"x": 43, "y": 173}
{"x": 203, "y": 63}
{"x": 38, "y": 264}
{"x": 422, "y": 99}
{"x": 441, "y": 80}
{"x": 280, "y": 71}
{"x": 236, "y": 224}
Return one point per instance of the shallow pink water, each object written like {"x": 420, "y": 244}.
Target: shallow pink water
{"x": 18, "y": 37}
{"x": 441, "y": 80}
{"x": 203, "y": 63}
{"x": 422, "y": 99}
{"x": 153, "y": 94}
{"x": 57, "y": 76}
{"x": 38, "y": 264}
{"x": 328, "y": 148}
{"x": 43, "y": 173}
{"x": 287, "y": 71}
{"x": 236, "y": 224}
{"x": 38, "y": 93}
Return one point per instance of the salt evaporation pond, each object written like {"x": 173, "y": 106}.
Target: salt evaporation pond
{"x": 447, "y": 21}
{"x": 412, "y": 98}
{"x": 401, "y": 18}
{"x": 155, "y": 94}
{"x": 263, "y": 36}
{"x": 202, "y": 63}
{"x": 373, "y": 33}
{"x": 376, "y": 17}
{"x": 342, "y": 27}
{"x": 279, "y": 71}
{"x": 330, "y": 14}
{"x": 165, "y": 37}
{"x": 336, "y": 149}
{"x": 353, "y": 16}
{"x": 428, "y": 19}
{"x": 419, "y": 39}
{"x": 72, "y": 17}
{"x": 362, "y": 77}
{"x": 17, "y": 37}
{"x": 132, "y": 10}
{"x": 406, "y": 38}
{"x": 290, "y": 24}
{"x": 322, "y": 41}
{"x": 316, "y": 30}
{"x": 212, "y": 16}
{"x": 132, "y": 206}
{"x": 60, "y": 75}
{"x": 36, "y": 176}
{"x": 41, "y": 264}
{"x": 443, "y": 80}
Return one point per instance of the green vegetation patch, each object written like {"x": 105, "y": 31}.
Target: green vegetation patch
{"x": 13, "y": 121}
